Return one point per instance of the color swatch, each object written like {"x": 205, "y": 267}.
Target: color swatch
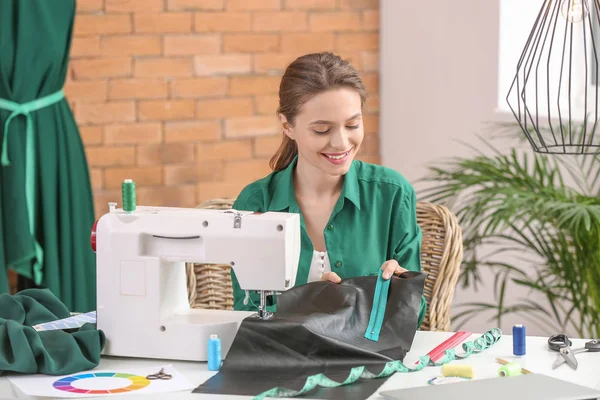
{"x": 126, "y": 379}
{"x": 76, "y": 321}
{"x": 66, "y": 384}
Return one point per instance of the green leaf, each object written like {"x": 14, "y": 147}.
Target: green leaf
{"x": 520, "y": 203}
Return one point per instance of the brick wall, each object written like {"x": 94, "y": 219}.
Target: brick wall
{"x": 180, "y": 95}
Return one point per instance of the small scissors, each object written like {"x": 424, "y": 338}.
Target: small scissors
{"x": 161, "y": 375}
{"x": 562, "y": 344}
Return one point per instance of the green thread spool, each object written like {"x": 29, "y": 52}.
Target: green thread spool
{"x": 510, "y": 369}
{"x": 128, "y": 193}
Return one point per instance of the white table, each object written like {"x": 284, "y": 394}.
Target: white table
{"x": 538, "y": 359}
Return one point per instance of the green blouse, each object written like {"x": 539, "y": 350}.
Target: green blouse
{"x": 374, "y": 220}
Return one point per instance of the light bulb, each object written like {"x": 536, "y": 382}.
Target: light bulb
{"x": 574, "y": 10}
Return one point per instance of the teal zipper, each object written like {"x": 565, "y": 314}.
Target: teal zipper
{"x": 378, "y": 308}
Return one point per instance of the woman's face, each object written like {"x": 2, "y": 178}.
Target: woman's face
{"x": 328, "y": 130}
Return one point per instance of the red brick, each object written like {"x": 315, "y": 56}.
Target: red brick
{"x": 370, "y": 61}
{"x": 223, "y": 108}
{"x": 101, "y": 68}
{"x": 133, "y": 6}
{"x": 335, "y": 22}
{"x": 169, "y": 196}
{"x": 162, "y": 67}
{"x": 279, "y": 21}
{"x": 309, "y": 4}
{"x": 253, "y": 5}
{"x": 110, "y": 156}
{"x": 192, "y": 131}
{"x": 96, "y": 178}
{"x": 246, "y": 170}
{"x": 245, "y": 85}
{"x": 91, "y": 135}
{"x": 371, "y": 82}
{"x": 99, "y": 113}
{"x": 90, "y": 25}
{"x": 138, "y": 88}
{"x": 142, "y": 176}
{"x": 371, "y": 123}
{"x": 153, "y": 110}
{"x": 266, "y": 105}
{"x": 250, "y": 43}
{"x": 270, "y": 63}
{"x": 251, "y": 126}
{"x": 195, "y": 5}
{"x": 352, "y": 56}
{"x": 372, "y": 104}
{"x": 88, "y": 46}
{"x": 223, "y": 64}
{"x": 372, "y": 159}
{"x": 302, "y": 43}
{"x": 150, "y": 154}
{"x": 84, "y": 6}
{"x": 215, "y": 190}
{"x": 199, "y": 87}
{"x": 130, "y": 45}
{"x": 266, "y": 146}
{"x": 222, "y": 22}
{"x": 194, "y": 173}
{"x": 101, "y": 199}
{"x": 354, "y": 4}
{"x": 227, "y": 150}
{"x": 370, "y": 20}
{"x": 192, "y": 45}
{"x": 137, "y": 133}
{"x": 370, "y": 145}
{"x": 357, "y": 41}
{"x": 171, "y": 153}
{"x": 86, "y": 91}
{"x": 163, "y": 23}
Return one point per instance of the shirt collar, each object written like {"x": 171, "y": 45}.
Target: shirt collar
{"x": 284, "y": 196}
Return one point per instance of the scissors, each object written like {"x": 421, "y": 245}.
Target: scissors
{"x": 160, "y": 375}
{"x": 562, "y": 344}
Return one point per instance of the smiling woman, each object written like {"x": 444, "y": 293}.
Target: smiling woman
{"x": 356, "y": 217}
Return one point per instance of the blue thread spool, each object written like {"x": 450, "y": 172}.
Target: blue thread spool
{"x": 214, "y": 353}
{"x": 519, "y": 335}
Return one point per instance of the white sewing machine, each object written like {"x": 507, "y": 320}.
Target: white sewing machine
{"x": 142, "y": 297}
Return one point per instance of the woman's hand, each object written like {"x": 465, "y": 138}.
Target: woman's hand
{"x": 391, "y": 267}
{"x": 331, "y": 277}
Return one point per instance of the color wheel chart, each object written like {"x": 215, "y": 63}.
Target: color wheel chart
{"x": 97, "y": 383}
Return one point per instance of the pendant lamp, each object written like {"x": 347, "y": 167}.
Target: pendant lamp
{"x": 555, "y": 95}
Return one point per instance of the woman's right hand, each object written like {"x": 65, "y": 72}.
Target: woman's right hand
{"x": 331, "y": 277}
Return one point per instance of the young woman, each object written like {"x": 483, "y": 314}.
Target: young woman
{"x": 356, "y": 217}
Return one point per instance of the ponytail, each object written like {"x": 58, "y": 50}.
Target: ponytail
{"x": 284, "y": 155}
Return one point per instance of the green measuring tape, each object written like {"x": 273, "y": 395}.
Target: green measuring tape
{"x": 478, "y": 345}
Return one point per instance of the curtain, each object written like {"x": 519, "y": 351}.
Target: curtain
{"x": 46, "y": 203}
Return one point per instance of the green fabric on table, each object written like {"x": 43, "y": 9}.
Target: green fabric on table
{"x": 46, "y": 203}
{"x": 24, "y": 350}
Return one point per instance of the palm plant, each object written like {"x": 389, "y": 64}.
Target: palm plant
{"x": 545, "y": 233}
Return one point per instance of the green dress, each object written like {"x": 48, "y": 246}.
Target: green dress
{"x": 46, "y": 203}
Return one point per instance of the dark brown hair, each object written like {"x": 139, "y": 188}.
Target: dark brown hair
{"x": 304, "y": 78}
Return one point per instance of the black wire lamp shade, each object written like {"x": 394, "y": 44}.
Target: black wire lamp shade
{"x": 555, "y": 93}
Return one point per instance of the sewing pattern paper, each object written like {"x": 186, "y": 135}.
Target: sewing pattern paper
{"x": 102, "y": 383}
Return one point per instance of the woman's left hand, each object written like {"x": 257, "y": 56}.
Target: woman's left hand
{"x": 391, "y": 267}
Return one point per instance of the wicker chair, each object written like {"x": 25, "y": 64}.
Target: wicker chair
{"x": 209, "y": 285}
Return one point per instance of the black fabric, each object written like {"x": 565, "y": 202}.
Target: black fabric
{"x": 319, "y": 328}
